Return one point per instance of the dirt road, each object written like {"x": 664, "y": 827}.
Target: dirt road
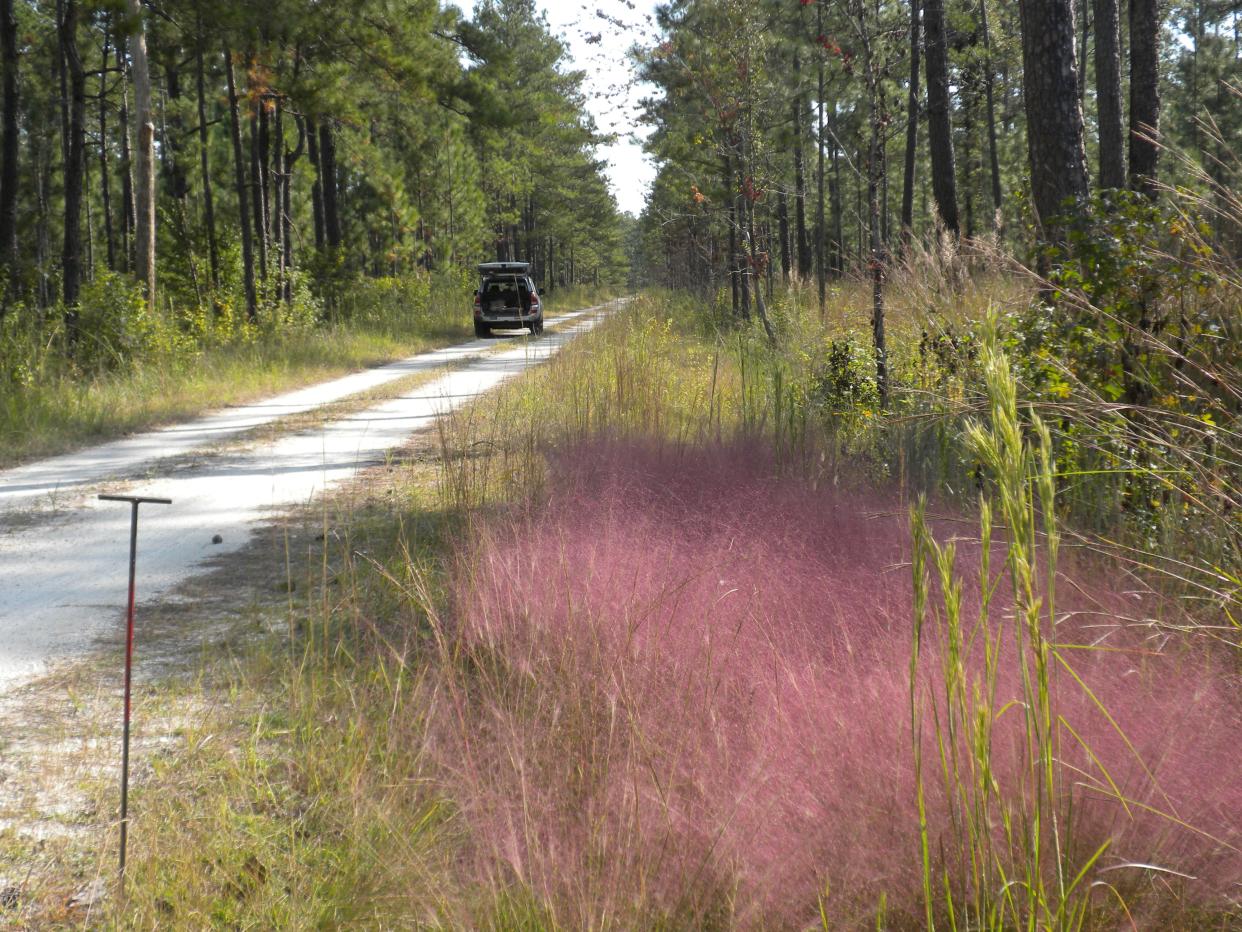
{"x": 63, "y": 553}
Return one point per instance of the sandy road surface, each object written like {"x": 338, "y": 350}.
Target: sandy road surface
{"x": 62, "y": 578}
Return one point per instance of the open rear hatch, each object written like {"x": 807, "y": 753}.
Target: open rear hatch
{"x": 508, "y": 297}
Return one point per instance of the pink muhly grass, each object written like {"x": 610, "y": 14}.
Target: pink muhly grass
{"x": 680, "y": 694}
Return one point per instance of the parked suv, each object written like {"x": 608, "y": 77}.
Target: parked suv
{"x": 506, "y": 297}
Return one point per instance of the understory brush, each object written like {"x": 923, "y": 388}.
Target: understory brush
{"x": 124, "y": 367}
{"x": 1129, "y": 351}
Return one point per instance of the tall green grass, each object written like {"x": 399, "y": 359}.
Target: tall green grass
{"x": 132, "y": 370}
{"x": 1042, "y": 894}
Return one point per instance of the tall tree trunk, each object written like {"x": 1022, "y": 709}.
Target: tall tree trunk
{"x": 748, "y": 204}
{"x": 1108, "y": 94}
{"x": 62, "y": 77}
{"x": 804, "y": 243}
{"x": 912, "y": 129}
{"x": 836, "y": 206}
{"x": 43, "y": 238}
{"x": 90, "y": 213}
{"x": 1145, "y": 24}
{"x": 8, "y": 151}
{"x": 105, "y": 168}
{"x": 1083, "y": 9}
{"x": 127, "y": 163}
{"x": 735, "y": 282}
{"x": 1196, "y": 43}
{"x": 884, "y": 212}
{"x": 968, "y": 157}
{"x": 331, "y": 210}
{"x": 266, "y": 179}
{"x": 277, "y": 185}
{"x": 821, "y": 270}
{"x": 1054, "y": 119}
{"x": 286, "y": 211}
{"x": 256, "y": 192}
{"x": 782, "y": 216}
{"x": 145, "y": 181}
{"x": 860, "y": 196}
{"x": 172, "y": 141}
{"x": 75, "y": 167}
{"x": 312, "y": 149}
{"x": 990, "y": 98}
{"x": 243, "y": 204}
{"x": 939, "y": 128}
{"x": 209, "y": 208}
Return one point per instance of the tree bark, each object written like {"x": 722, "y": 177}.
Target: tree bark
{"x": 286, "y": 212}
{"x": 735, "y": 282}
{"x": 782, "y": 217}
{"x": 105, "y": 168}
{"x": 43, "y": 238}
{"x": 62, "y": 76}
{"x": 821, "y": 270}
{"x": 172, "y": 141}
{"x": 836, "y": 206}
{"x": 277, "y": 187}
{"x": 939, "y": 127}
{"x": 265, "y": 174}
{"x": 8, "y": 150}
{"x": 1145, "y": 23}
{"x": 990, "y": 98}
{"x": 912, "y": 129}
{"x": 804, "y": 243}
{"x": 259, "y": 217}
{"x": 1054, "y": 119}
{"x": 209, "y": 208}
{"x": 243, "y": 204}
{"x": 1108, "y": 94}
{"x": 331, "y": 214}
{"x": 75, "y": 167}
{"x": 743, "y": 273}
{"x": 145, "y": 181}
{"x": 749, "y": 206}
{"x": 312, "y": 149}
{"x": 1084, "y": 12}
{"x": 127, "y": 164}
{"x": 968, "y": 156}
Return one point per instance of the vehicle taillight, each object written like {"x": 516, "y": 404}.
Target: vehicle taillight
{"x": 478, "y": 304}
{"x": 534, "y": 301}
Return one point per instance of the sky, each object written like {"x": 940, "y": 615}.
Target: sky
{"x": 599, "y": 46}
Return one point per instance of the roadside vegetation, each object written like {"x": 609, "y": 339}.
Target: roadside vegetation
{"x": 326, "y": 181}
{"x": 150, "y": 372}
{"x": 683, "y": 630}
{"x": 142, "y": 372}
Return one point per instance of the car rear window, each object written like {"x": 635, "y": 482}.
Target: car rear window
{"x": 496, "y": 289}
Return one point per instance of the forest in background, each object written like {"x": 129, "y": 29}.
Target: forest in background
{"x": 788, "y": 131}
{"x": 916, "y": 176}
{"x": 177, "y": 175}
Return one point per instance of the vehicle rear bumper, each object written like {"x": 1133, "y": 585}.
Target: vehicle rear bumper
{"x": 520, "y": 320}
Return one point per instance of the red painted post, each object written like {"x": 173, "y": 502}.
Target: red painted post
{"x": 134, "y": 501}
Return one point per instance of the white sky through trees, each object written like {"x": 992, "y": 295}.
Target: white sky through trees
{"x": 599, "y": 35}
